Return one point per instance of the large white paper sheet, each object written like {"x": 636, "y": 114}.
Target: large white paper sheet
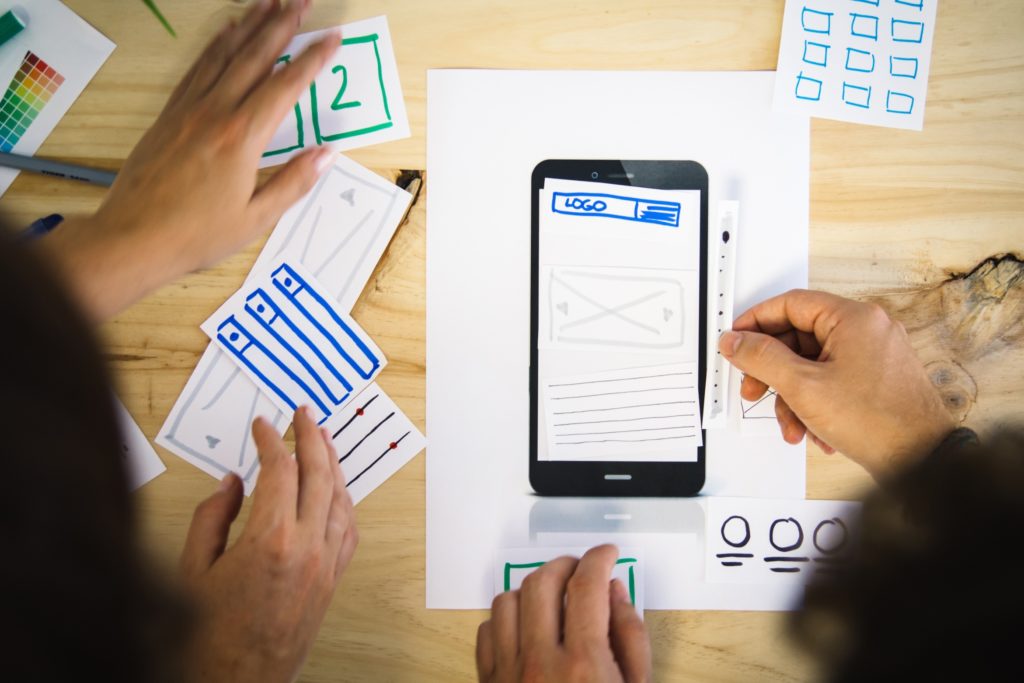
{"x": 71, "y": 51}
{"x": 140, "y": 459}
{"x": 864, "y": 61}
{"x": 356, "y": 100}
{"x": 338, "y": 231}
{"x": 478, "y": 289}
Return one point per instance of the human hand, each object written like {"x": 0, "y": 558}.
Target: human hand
{"x": 566, "y": 624}
{"x": 262, "y": 600}
{"x": 187, "y": 195}
{"x": 845, "y": 374}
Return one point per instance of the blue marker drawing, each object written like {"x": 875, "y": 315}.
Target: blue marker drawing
{"x": 899, "y": 103}
{"x": 907, "y": 31}
{"x": 864, "y": 25}
{"x": 316, "y": 308}
{"x": 903, "y": 67}
{"x": 271, "y": 318}
{"x": 255, "y": 356}
{"x": 859, "y": 60}
{"x": 868, "y": 2}
{"x": 916, "y": 4}
{"x": 814, "y": 21}
{"x": 615, "y": 206}
{"x": 816, "y": 53}
{"x": 807, "y": 88}
{"x": 856, "y": 95}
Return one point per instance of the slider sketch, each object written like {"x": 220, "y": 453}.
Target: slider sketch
{"x": 287, "y": 336}
{"x": 616, "y": 206}
{"x": 632, "y": 308}
{"x": 761, "y": 409}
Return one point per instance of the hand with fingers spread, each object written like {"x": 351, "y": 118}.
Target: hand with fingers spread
{"x": 845, "y": 375}
{"x": 261, "y": 601}
{"x": 568, "y": 623}
{"x": 187, "y": 196}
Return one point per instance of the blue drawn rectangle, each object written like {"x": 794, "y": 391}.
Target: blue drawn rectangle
{"x": 807, "y": 88}
{"x": 814, "y": 21}
{"x": 899, "y": 103}
{"x": 864, "y": 25}
{"x": 857, "y": 95}
{"x": 859, "y": 60}
{"x": 916, "y": 4}
{"x": 815, "y": 53}
{"x": 903, "y": 67}
{"x": 616, "y": 206}
{"x": 907, "y": 31}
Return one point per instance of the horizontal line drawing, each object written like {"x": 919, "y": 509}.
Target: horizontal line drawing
{"x": 816, "y": 53}
{"x": 814, "y": 21}
{"x": 787, "y": 559}
{"x": 624, "y": 431}
{"x": 857, "y": 95}
{"x": 734, "y": 555}
{"x": 622, "y": 379}
{"x": 873, "y": 3}
{"x": 864, "y": 26}
{"x": 859, "y": 60}
{"x": 916, "y": 4}
{"x": 899, "y": 103}
{"x": 663, "y": 438}
{"x": 365, "y": 437}
{"x": 785, "y": 570}
{"x": 907, "y": 31}
{"x": 639, "y": 405}
{"x": 903, "y": 67}
{"x": 807, "y": 88}
{"x": 628, "y": 419}
{"x": 620, "y": 393}
{"x": 732, "y": 564}
{"x": 603, "y": 205}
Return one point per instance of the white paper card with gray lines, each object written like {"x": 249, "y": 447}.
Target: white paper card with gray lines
{"x": 644, "y": 414}
{"x": 778, "y": 541}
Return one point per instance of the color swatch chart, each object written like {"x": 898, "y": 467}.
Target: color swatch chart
{"x": 31, "y": 88}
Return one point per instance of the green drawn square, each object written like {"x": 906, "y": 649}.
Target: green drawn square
{"x": 336, "y": 103}
{"x": 631, "y": 561}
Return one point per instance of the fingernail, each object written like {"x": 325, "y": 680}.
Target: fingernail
{"x": 226, "y": 483}
{"x": 307, "y": 412}
{"x": 324, "y": 159}
{"x": 619, "y": 592}
{"x": 729, "y": 342}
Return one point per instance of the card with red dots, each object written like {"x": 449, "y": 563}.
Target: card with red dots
{"x": 374, "y": 439}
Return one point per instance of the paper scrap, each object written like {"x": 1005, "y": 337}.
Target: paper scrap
{"x": 289, "y": 336}
{"x": 356, "y": 100}
{"x": 515, "y": 564}
{"x": 339, "y": 231}
{"x": 47, "y": 66}
{"x": 140, "y": 459}
{"x": 778, "y": 541}
{"x": 862, "y": 61}
{"x": 642, "y": 414}
{"x": 374, "y": 439}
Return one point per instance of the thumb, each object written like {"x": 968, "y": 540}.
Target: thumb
{"x": 764, "y": 357}
{"x": 208, "y": 534}
{"x": 288, "y": 185}
{"x": 628, "y": 637}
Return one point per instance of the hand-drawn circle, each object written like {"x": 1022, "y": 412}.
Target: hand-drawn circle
{"x": 746, "y": 532}
{"x": 600, "y": 206}
{"x": 838, "y": 546}
{"x": 799, "y": 537}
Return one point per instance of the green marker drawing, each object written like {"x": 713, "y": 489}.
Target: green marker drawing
{"x": 151, "y": 4}
{"x": 300, "y": 133}
{"x": 321, "y": 138}
{"x": 631, "y": 561}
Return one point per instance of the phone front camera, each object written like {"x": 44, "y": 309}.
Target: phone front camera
{"x": 594, "y": 175}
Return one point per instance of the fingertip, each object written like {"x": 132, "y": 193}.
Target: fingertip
{"x": 619, "y": 592}
{"x": 729, "y": 342}
{"x": 228, "y": 482}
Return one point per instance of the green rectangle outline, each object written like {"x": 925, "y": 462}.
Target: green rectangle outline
{"x": 320, "y": 139}
{"x": 300, "y": 129}
{"x": 533, "y": 565}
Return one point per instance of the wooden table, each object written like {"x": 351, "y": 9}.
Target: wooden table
{"x": 893, "y": 215}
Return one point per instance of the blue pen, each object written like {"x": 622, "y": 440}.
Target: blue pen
{"x": 41, "y": 227}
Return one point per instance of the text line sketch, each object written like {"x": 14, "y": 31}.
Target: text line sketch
{"x": 616, "y": 206}
{"x": 355, "y": 100}
{"x": 857, "y": 88}
{"x": 631, "y": 413}
{"x": 286, "y": 334}
{"x": 341, "y": 229}
{"x": 615, "y": 307}
{"x": 374, "y": 439}
{"x": 513, "y": 565}
{"x": 761, "y": 540}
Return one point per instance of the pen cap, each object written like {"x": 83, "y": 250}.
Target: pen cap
{"x": 11, "y": 24}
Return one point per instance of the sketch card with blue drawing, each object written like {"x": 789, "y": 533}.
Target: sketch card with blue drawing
{"x": 863, "y": 61}
{"x": 289, "y": 335}
{"x": 618, "y": 322}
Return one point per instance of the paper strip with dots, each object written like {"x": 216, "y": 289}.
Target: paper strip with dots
{"x": 374, "y": 439}
{"x": 771, "y": 541}
{"x": 291, "y": 337}
{"x": 722, "y": 282}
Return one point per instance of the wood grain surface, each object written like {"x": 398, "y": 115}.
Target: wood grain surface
{"x": 894, "y": 216}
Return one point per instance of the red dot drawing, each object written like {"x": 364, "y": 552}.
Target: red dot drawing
{"x": 359, "y": 411}
{"x": 393, "y": 445}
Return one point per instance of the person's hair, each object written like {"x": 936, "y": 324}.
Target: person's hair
{"x": 79, "y": 601}
{"x": 934, "y": 592}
